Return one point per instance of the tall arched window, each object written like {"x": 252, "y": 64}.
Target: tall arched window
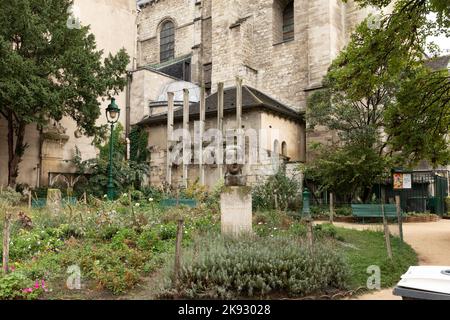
{"x": 288, "y": 22}
{"x": 167, "y": 41}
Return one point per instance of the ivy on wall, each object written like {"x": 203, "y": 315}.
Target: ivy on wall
{"x": 139, "y": 152}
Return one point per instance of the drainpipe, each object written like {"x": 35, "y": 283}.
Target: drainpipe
{"x": 128, "y": 106}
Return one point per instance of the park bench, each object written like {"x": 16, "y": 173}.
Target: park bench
{"x": 167, "y": 203}
{"x": 373, "y": 211}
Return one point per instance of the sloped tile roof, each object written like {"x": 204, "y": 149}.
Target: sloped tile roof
{"x": 251, "y": 99}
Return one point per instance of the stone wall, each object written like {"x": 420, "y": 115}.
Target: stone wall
{"x": 256, "y": 173}
{"x": 243, "y": 37}
{"x": 113, "y": 22}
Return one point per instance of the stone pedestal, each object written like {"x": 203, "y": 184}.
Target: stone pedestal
{"x": 236, "y": 210}
{"x": 54, "y": 200}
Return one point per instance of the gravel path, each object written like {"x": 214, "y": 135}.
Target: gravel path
{"x": 431, "y": 241}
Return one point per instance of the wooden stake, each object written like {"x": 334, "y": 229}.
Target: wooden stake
{"x": 331, "y": 207}
{"x": 310, "y": 234}
{"x": 178, "y": 252}
{"x": 170, "y": 106}
{"x": 399, "y": 216}
{"x": 6, "y": 236}
{"x": 387, "y": 235}
{"x": 84, "y": 197}
{"x": 186, "y": 141}
{"x": 29, "y": 199}
{"x": 220, "y": 98}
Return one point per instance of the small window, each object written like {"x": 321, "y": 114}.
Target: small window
{"x": 167, "y": 41}
{"x": 288, "y": 22}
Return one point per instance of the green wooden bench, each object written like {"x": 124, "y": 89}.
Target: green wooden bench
{"x": 373, "y": 211}
{"x": 167, "y": 203}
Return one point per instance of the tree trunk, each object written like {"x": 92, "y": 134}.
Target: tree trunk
{"x": 15, "y": 150}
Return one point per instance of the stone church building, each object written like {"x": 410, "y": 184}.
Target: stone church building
{"x": 281, "y": 50}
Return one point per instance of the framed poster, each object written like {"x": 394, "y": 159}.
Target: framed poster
{"x": 398, "y": 181}
{"x": 407, "y": 181}
{"x": 402, "y": 180}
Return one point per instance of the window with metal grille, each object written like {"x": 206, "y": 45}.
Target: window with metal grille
{"x": 288, "y": 22}
{"x": 167, "y": 42}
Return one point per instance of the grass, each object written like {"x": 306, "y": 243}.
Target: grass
{"x": 368, "y": 248}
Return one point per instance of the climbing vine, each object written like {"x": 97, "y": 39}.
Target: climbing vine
{"x": 139, "y": 152}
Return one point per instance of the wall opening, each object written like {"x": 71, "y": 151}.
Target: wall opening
{"x": 167, "y": 41}
{"x": 283, "y": 21}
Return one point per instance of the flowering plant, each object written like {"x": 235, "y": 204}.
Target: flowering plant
{"x": 35, "y": 291}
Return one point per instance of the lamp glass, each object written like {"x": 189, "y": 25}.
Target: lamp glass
{"x": 113, "y": 114}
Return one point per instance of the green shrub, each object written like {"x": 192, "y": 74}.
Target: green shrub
{"x": 114, "y": 268}
{"x": 325, "y": 230}
{"x": 13, "y": 284}
{"x": 258, "y": 267}
{"x": 123, "y": 238}
{"x": 298, "y": 229}
{"x": 148, "y": 240}
{"x": 343, "y": 211}
{"x": 279, "y": 186}
{"x": 25, "y": 244}
{"x": 168, "y": 231}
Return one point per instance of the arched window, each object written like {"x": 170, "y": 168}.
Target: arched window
{"x": 288, "y": 22}
{"x": 284, "y": 149}
{"x": 167, "y": 41}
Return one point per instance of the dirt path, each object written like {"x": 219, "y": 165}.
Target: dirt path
{"x": 431, "y": 241}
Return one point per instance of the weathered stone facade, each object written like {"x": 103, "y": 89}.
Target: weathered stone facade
{"x": 220, "y": 39}
{"x": 50, "y": 151}
{"x": 243, "y": 38}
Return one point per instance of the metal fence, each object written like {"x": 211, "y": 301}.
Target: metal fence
{"x": 428, "y": 194}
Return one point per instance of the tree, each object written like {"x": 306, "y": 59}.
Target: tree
{"x": 353, "y": 107}
{"x": 49, "y": 71}
{"x": 417, "y": 119}
{"x": 373, "y": 92}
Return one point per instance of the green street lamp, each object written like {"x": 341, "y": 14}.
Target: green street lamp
{"x": 306, "y": 211}
{"x": 112, "y": 115}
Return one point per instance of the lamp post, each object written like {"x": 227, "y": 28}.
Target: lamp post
{"x": 306, "y": 211}
{"x": 112, "y": 115}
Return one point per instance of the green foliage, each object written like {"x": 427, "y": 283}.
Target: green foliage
{"x": 9, "y": 198}
{"x": 12, "y": 286}
{"x": 123, "y": 238}
{"x": 326, "y": 230}
{"x": 253, "y": 268}
{"x": 139, "y": 152}
{"x": 382, "y": 82}
{"x": 168, "y": 231}
{"x": 279, "y": 189}
{"x": 126, "y": 174}
{"x": 26, "y": 244}
{"x": 49, "y": 71}
{"x": 114, "y": 268}
{"x": 348, "y": 171}
{"x": 380, "y": 97}
{"x": 368, "y": 248}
